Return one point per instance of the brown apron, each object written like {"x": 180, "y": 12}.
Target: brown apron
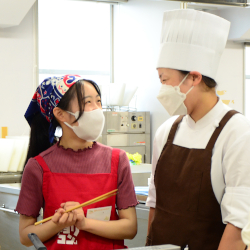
{"x": 187, "y": 212}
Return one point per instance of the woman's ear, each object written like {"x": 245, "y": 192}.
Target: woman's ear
{"x": 196, "y": 77}
{"x": 59, "y": 114}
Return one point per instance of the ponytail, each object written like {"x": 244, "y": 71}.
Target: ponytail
{"x": 39, "y": 136}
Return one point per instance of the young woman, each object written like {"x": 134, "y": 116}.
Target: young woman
{"x": 199, "y": 190}
{"x": 74, "y": 170}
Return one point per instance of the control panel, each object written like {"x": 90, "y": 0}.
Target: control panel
{"x": 129, "y": 131}
{"x": 126, "y": 122}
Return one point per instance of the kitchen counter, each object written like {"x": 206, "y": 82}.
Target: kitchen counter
{"x": 141, "y": 173}
{"x": 10, "y": 188}
{"x": 9, "y": 219}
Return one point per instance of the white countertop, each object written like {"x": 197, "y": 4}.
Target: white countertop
{"x": 142, "y": 168}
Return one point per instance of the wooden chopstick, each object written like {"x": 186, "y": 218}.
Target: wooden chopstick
{"x": 99, "y": 198}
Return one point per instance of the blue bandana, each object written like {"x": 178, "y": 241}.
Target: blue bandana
{"x": 47, "y": 96}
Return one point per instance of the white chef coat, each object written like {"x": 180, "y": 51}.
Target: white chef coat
{"x": 245, "y": 233}
{"x": 230, "y": 171}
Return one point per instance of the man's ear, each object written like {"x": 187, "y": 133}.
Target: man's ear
{"x": 196, "y": 77}
{"x": 59, "y": 114}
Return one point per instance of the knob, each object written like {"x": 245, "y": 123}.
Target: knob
{"x": 133, "y": 118}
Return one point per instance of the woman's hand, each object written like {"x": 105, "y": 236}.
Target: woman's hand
{"x": 80, "y": 219}
{"x": 75, "y": 217}
{"x": 63, "y": 219}
{"x": 78, "y": 213}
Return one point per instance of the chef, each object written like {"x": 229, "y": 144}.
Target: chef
{"x": 199, "y": 195}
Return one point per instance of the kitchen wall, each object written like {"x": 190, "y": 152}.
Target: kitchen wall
{"x": 136, "y": 45}
{"x": 16, "y": 75}
{"x": 230, "y": 76}
{"x": 137, "y": 28}
{"x": 240, "y": 20}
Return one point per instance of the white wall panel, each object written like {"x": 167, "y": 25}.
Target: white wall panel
{"x": 16, "y": 75}
{"x": 230, "y": 77}
{"x": 136, "y": 46}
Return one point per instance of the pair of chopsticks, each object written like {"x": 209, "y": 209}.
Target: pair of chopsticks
{"x": 99, "y": 198}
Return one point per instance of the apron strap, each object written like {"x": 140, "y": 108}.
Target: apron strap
{"x": 217, "y": 131}
{"x": 115, "y": 160}
{"x": 42, "y": 163}
{"x": 173, "y": 129}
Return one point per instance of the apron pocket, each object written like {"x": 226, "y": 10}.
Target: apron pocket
{"x": 194, "y": 190}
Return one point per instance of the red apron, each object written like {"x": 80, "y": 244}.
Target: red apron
{"x": 63, "y": 187}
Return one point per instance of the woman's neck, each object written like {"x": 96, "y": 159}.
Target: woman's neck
{"x": 204, "y": 105}
{"x": 74, "y": 143}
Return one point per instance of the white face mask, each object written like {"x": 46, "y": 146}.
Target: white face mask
{"x": 172, "y": 99}
{"x": 90, "y": 124}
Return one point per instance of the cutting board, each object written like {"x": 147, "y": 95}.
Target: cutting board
{"x": 17, "y": 154}
{"x": 6, "y": 151}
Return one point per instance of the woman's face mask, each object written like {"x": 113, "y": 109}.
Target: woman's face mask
{"x": 90, "y": 124}
{"x": 172, "y": 99}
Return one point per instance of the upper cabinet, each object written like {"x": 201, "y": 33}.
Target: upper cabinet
{"x": 12, "y": 12}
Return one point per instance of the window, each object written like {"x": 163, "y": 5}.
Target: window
{"x": 74, "y": 38}
{"x": 247, "y": 82}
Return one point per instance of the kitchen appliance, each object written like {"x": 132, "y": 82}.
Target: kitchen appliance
{"x": 128, "y": 130}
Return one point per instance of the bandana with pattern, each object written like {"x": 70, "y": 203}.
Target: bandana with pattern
{"x": 47, "y": 96}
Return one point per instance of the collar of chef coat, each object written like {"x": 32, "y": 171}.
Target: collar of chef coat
{"x": 210, "y": 116}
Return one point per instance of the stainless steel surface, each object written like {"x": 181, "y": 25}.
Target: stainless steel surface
{"x": 239, "y": 3}
{"x": 138, "y": 243}
{"x": 9, "y": 222}
{"x": 129, "y": 131}
{"x": 110, "y": 1}
{"x": 161, "y": 247}
{"x": 10, "y": 177}
{"x": 126, "y": 122}
{"x": 141, "y": 179}
{"x": 142, "y": 220}
{"x": 7, "y": 210}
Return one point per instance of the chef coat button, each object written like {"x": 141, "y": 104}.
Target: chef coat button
{"x": 216, "y": 123}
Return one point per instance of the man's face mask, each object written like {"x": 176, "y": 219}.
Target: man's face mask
{"x": 172, "y": 99}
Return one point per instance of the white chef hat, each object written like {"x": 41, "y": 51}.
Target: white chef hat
{"x": 192, "y": 40}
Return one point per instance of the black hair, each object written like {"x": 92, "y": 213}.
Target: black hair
{"x": 210, "y": 83}
{"x": 39, "y": 133}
